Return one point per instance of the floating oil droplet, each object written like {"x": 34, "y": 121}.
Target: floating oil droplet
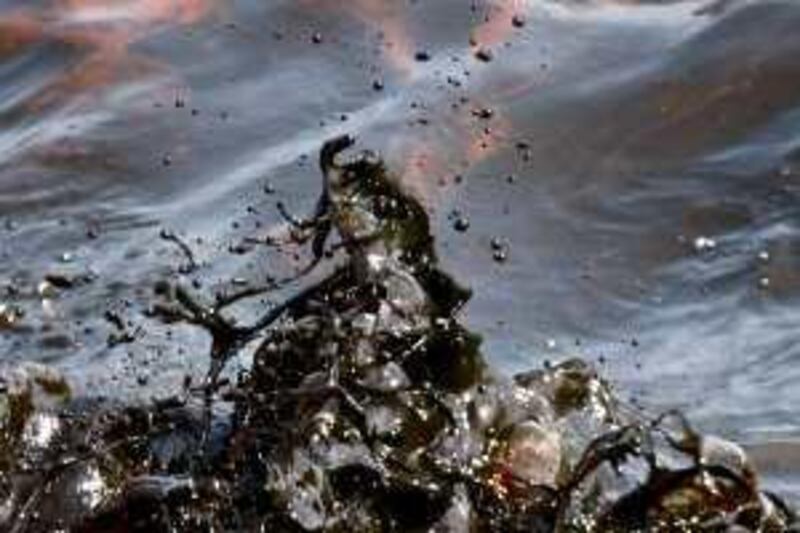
{"x": 45, "y": 289}
{"x": 484, "y": 113}
{"x": 9, "y": 316}
{"x": 461, "y": 224}
{"x": 484, "y": 54}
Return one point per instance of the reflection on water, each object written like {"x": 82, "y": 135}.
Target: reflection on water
{"x": 639, "y": 158}
{"x": 100, "y": 34}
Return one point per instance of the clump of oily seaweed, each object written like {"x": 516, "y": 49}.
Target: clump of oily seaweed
{"x": 367, "y": 407}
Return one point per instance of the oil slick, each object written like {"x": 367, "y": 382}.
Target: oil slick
{"x": 101, "y": 34}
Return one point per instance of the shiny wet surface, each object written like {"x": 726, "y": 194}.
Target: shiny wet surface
{"x": 637, "y": 161}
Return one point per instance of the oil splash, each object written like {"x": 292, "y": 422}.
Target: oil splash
{"x": 368, "y": 407}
